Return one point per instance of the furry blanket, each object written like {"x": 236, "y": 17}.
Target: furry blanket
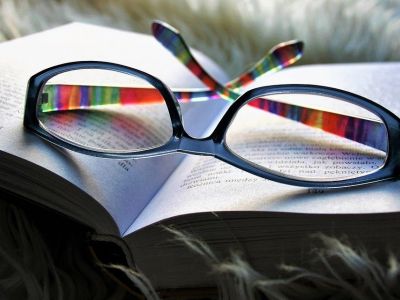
{"x": 234, "y": 33}
{"x": 37, "y": 264}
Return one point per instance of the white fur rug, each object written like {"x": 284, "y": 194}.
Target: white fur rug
{"x": 234, "y": 33}
{"x": 34, "y": 265}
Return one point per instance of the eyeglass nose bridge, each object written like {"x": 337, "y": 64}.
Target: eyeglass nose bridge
{"x": 199, "y": 146}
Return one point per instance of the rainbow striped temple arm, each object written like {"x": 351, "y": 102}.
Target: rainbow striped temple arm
{"x": 361, "y": 130}
{"x": 364, "y": 131}
{"x": 279, "y": 57}
{"x": 68, "y": 97}
{"x": 59, "y": 97}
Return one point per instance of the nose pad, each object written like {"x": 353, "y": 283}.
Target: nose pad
{"x": 205, "y": 146}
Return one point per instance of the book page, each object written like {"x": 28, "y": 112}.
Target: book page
{"x": 202, "y": 184}
{"x": 122, "y": 187}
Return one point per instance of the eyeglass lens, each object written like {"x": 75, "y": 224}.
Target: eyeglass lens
{"x": 309, "y": 137}
{"x": 104, "y": 110}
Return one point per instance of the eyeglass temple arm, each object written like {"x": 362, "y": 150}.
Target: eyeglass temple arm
{"x": 70, "y": 97}
{"x": 280, "y": 56}
{"x": 364, "y": 131}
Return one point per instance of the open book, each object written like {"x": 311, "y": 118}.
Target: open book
{"x": 129, "y": 198}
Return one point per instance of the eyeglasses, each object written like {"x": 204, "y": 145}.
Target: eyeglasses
{"x": 304, "y": 135}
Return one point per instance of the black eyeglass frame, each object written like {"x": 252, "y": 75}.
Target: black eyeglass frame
{"x": 215, "y": 144}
